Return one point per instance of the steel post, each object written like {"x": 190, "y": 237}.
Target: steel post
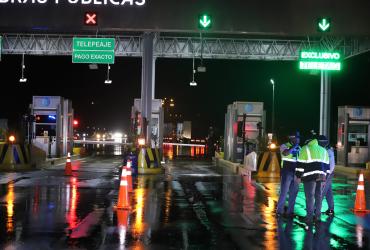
{"x": 273, "y": 112}
{"x": 345, "y": 143}
{"x": 325, "y": 96}
{"x": 147, "y": 84}
{"x": 153, "y": 78}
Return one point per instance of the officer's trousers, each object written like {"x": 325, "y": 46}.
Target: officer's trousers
{"x": 328, "y": 192}
{"x": 288, "y": 183}
{"x": 313, "y": 193}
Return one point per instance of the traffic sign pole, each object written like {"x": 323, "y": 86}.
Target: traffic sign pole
{"x": 325, "y": 103}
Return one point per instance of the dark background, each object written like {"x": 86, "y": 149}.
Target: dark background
{"x": 283, "y": 17}
{"x": 297, "y": 93}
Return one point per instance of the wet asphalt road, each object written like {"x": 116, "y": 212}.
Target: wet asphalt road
{"x": 192, "y": 205}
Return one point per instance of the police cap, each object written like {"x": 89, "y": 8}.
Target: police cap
{"x": 294, "y": 134}
{"x": 323, "y": 140}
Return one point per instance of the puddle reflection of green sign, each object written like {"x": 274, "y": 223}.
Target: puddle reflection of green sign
{"x": 93, "y": 50}
{"x": 320, "y": 60}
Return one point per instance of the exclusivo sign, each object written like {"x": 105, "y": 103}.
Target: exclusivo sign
{"x": 320, "y": 55}
{"x": 77, "y": 2}
{"x": 320, "y": 65}
{"x": 320, "y": 60}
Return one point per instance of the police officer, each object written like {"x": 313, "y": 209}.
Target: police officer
{"x": 313, "y": 162}
{"x": 288, "y": 180}
{"x": 328, "y": 192}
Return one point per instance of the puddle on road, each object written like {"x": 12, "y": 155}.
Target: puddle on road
{"x": 176, "y": 211}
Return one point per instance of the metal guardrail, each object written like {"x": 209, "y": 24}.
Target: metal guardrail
{"x": 184, "y": 144}
{"x": 100, "y": 142}
{"x": 120, "y": 143}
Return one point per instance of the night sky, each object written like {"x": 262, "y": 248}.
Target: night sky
{"x": 297, "y": 93}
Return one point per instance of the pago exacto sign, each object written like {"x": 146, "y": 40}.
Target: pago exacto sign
{"x": 314, "y": 60}
{"x": 93, "y": 50}
{"x": 77, "y": 2}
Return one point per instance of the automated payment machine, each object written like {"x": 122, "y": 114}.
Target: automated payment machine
{"x": 244, "y": 123}
{"x": 353, "y": 136}
{"x": 53, "y": 125}
{"x": 157, "y": 123}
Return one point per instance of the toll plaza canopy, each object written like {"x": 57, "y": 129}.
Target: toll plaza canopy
{"x": 262, "y": 17}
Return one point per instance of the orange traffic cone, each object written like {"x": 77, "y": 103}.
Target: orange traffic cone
{"x": 122, "y": 224}
{"x": 68, "y": 168}
{"x": 129, "y": 176}
{"x": 123, "y": 200}
{"x": 122, "y": 217}
{"x": 360, "y": 203}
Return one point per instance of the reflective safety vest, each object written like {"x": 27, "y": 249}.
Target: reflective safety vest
{"x": 313, "y": 162}
{"x": 288, "y": 161}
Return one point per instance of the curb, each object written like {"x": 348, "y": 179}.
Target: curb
{"x": 236, "y": 168}
{"x": 49, "y": 163}
{"x": 339, "y": 169}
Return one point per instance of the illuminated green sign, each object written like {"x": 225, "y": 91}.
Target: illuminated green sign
{"x": 204, "y": 22}
{"x": 313, "y": 60}
{"x": 93, "y": 50}
{"x": 324, "y": 24}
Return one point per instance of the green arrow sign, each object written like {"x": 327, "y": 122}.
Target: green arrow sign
{"x": 324, "y": 24}
{"x": 204, "y": 21}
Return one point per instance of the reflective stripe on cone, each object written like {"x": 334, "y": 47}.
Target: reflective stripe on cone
{"x": 123, "y": 198}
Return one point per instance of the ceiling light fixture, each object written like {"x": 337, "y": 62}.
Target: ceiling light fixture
{"x": 108, "y": 81}
{"x": 23, "y": 79}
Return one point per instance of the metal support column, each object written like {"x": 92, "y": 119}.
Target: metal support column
{"x": 325, "y": 104}
{"x": 345, "y": 143}
{"x": 147, "y": 82}
{"x": 325, "y": 96}
{"x": 153, "y": 78}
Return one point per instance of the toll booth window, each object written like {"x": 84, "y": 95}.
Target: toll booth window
{"x": 358, "y": 135}
{"x": 45, "y": 119}
{"x": 41, "y": 130}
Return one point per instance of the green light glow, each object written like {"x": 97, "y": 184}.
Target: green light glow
{"x": 324, "y": 24}
{"x": 320, "y": 65}
{"x": 204, "y": 21}
{"x": 320, "y": 60}
{"x": 320, "y": 55}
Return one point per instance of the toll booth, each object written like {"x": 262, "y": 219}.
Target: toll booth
{"x": 244, "y": 129}
{"x": 3, "y": 130}
{"x": 353, "y": 136}
{"x": 157, "y": 123}
{"x": 53, "y": 126}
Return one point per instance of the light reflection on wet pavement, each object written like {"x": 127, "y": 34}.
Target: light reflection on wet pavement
{"x": 193, "y": 205}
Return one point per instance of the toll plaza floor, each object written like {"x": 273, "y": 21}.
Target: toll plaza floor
{"x": 192, "y": 205}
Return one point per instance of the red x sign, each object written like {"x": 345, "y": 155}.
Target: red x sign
{"x": 91, "y": 18}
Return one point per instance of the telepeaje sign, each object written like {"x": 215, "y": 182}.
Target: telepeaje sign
{"x": 93, "y": 50}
